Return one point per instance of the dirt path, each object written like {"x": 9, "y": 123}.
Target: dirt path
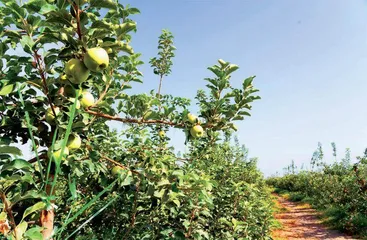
{"x": 299, "y": 221}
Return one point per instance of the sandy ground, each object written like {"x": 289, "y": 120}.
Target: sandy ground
{"x": 301, "y": 222}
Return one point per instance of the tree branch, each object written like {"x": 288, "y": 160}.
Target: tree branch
{"x": 42, "y": 156}
{"x": 133, "y": 120}
{"x": 41, "y": 71}
{"x": 120, "y": 165}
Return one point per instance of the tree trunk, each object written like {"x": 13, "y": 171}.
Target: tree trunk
{"x": 47, "y": 222}
{"x": 47, "y": 216}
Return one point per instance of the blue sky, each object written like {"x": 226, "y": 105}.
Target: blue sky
{"x": 309, "y": 57}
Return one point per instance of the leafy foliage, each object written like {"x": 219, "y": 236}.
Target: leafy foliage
{"x": 117, "y": 185}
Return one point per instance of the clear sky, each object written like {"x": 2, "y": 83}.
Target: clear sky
{"x": 309, "y": 56}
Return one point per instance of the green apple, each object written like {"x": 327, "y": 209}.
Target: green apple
{"x": 76, "y": 71}
{"x": 197, "y": 131}
{"x": 56, "y": 154}
{"x": 117, "y": 170}
{"x": 87, "y": 99}
{"x": 74, "y": 142}
{"x": 96, "y": 59}
{"x": 192, "y": 118}
{"x": 50, "y": 117}
{"x": 162, "y": 134}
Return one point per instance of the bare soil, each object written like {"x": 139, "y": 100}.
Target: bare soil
{"x": 300, "y": 221}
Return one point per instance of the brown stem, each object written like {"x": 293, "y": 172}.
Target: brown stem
{"x": 133, "y": 217}
{"x": 184, "y": 159}
{"x": 42, "y": 156}
{"x": 77, "y": 16}
{"x": 41, "y": 71}
{"x": 47, "y": 222}
{"x": 160, "y": 86}
{"x": 47, "y": 216}
{"x": 119, "y": 164}
{"x": 188, "y": 234}
{"x": 102, "y": 95}
{"x": 9, "y": 212}
{"x": 159, "y": 93}
{"x": 132, "y": 120}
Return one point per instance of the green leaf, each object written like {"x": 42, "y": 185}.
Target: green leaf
{"x": 244, "y": 113}
{"x": 5, "y": 141}
{"x": 7, "y": 89}
{"x": 160, "y": 193}
{"x": 238, "y": 118}
{"x": 36, "y": 207}
{"x": 72, "y": 188}
{"x": 27, "y": 43}
{"x": 3, "y": 216}
{"x": 20, "y": 229}
{"x": 31, "y": 194}
{"x": 18, "y": 164}
{"x": 46, "y": 8}
{"x": 133, "y": 10}
{"x": 34, "y": 233}
{"x": 225, "y": 221}
{"x": 163, "y": 182}
{"x": 127, "y": 180}
{"x": 34, "y": 5}
{"x": 177, "y": 202}
{"x": 103, "y": 4}
{"x": 11, "y": 150}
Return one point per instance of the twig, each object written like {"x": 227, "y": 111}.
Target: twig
{"x": 41, "y": 71}
{"x": 120, "y": 165}
{"x": 42, "y": 156}
{"x": 133, "y": 120}
{"x": 184, "y": 159}
{"x": 102, "y": 94}
{"x": 10, "y": 213}
{"x": 133, "y": 217}
{"x": 192, "y": 218}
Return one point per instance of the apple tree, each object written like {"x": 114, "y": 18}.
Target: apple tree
{"x": 65, "y": 73}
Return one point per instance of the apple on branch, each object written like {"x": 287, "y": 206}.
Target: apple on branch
{"x": 74, "y": 142}
{"x": 76, "y": 71}
{"x": 50, "y": 117}
{"x": 96, "y": 59}
{"x": 56, "y": 154}
{"x": 87, "y": 99}
{"x": 117, "y": 170}
{"x": 192, "y": 118}
{"x": 162, "y": 134}
{"x": 197, "y": 131}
